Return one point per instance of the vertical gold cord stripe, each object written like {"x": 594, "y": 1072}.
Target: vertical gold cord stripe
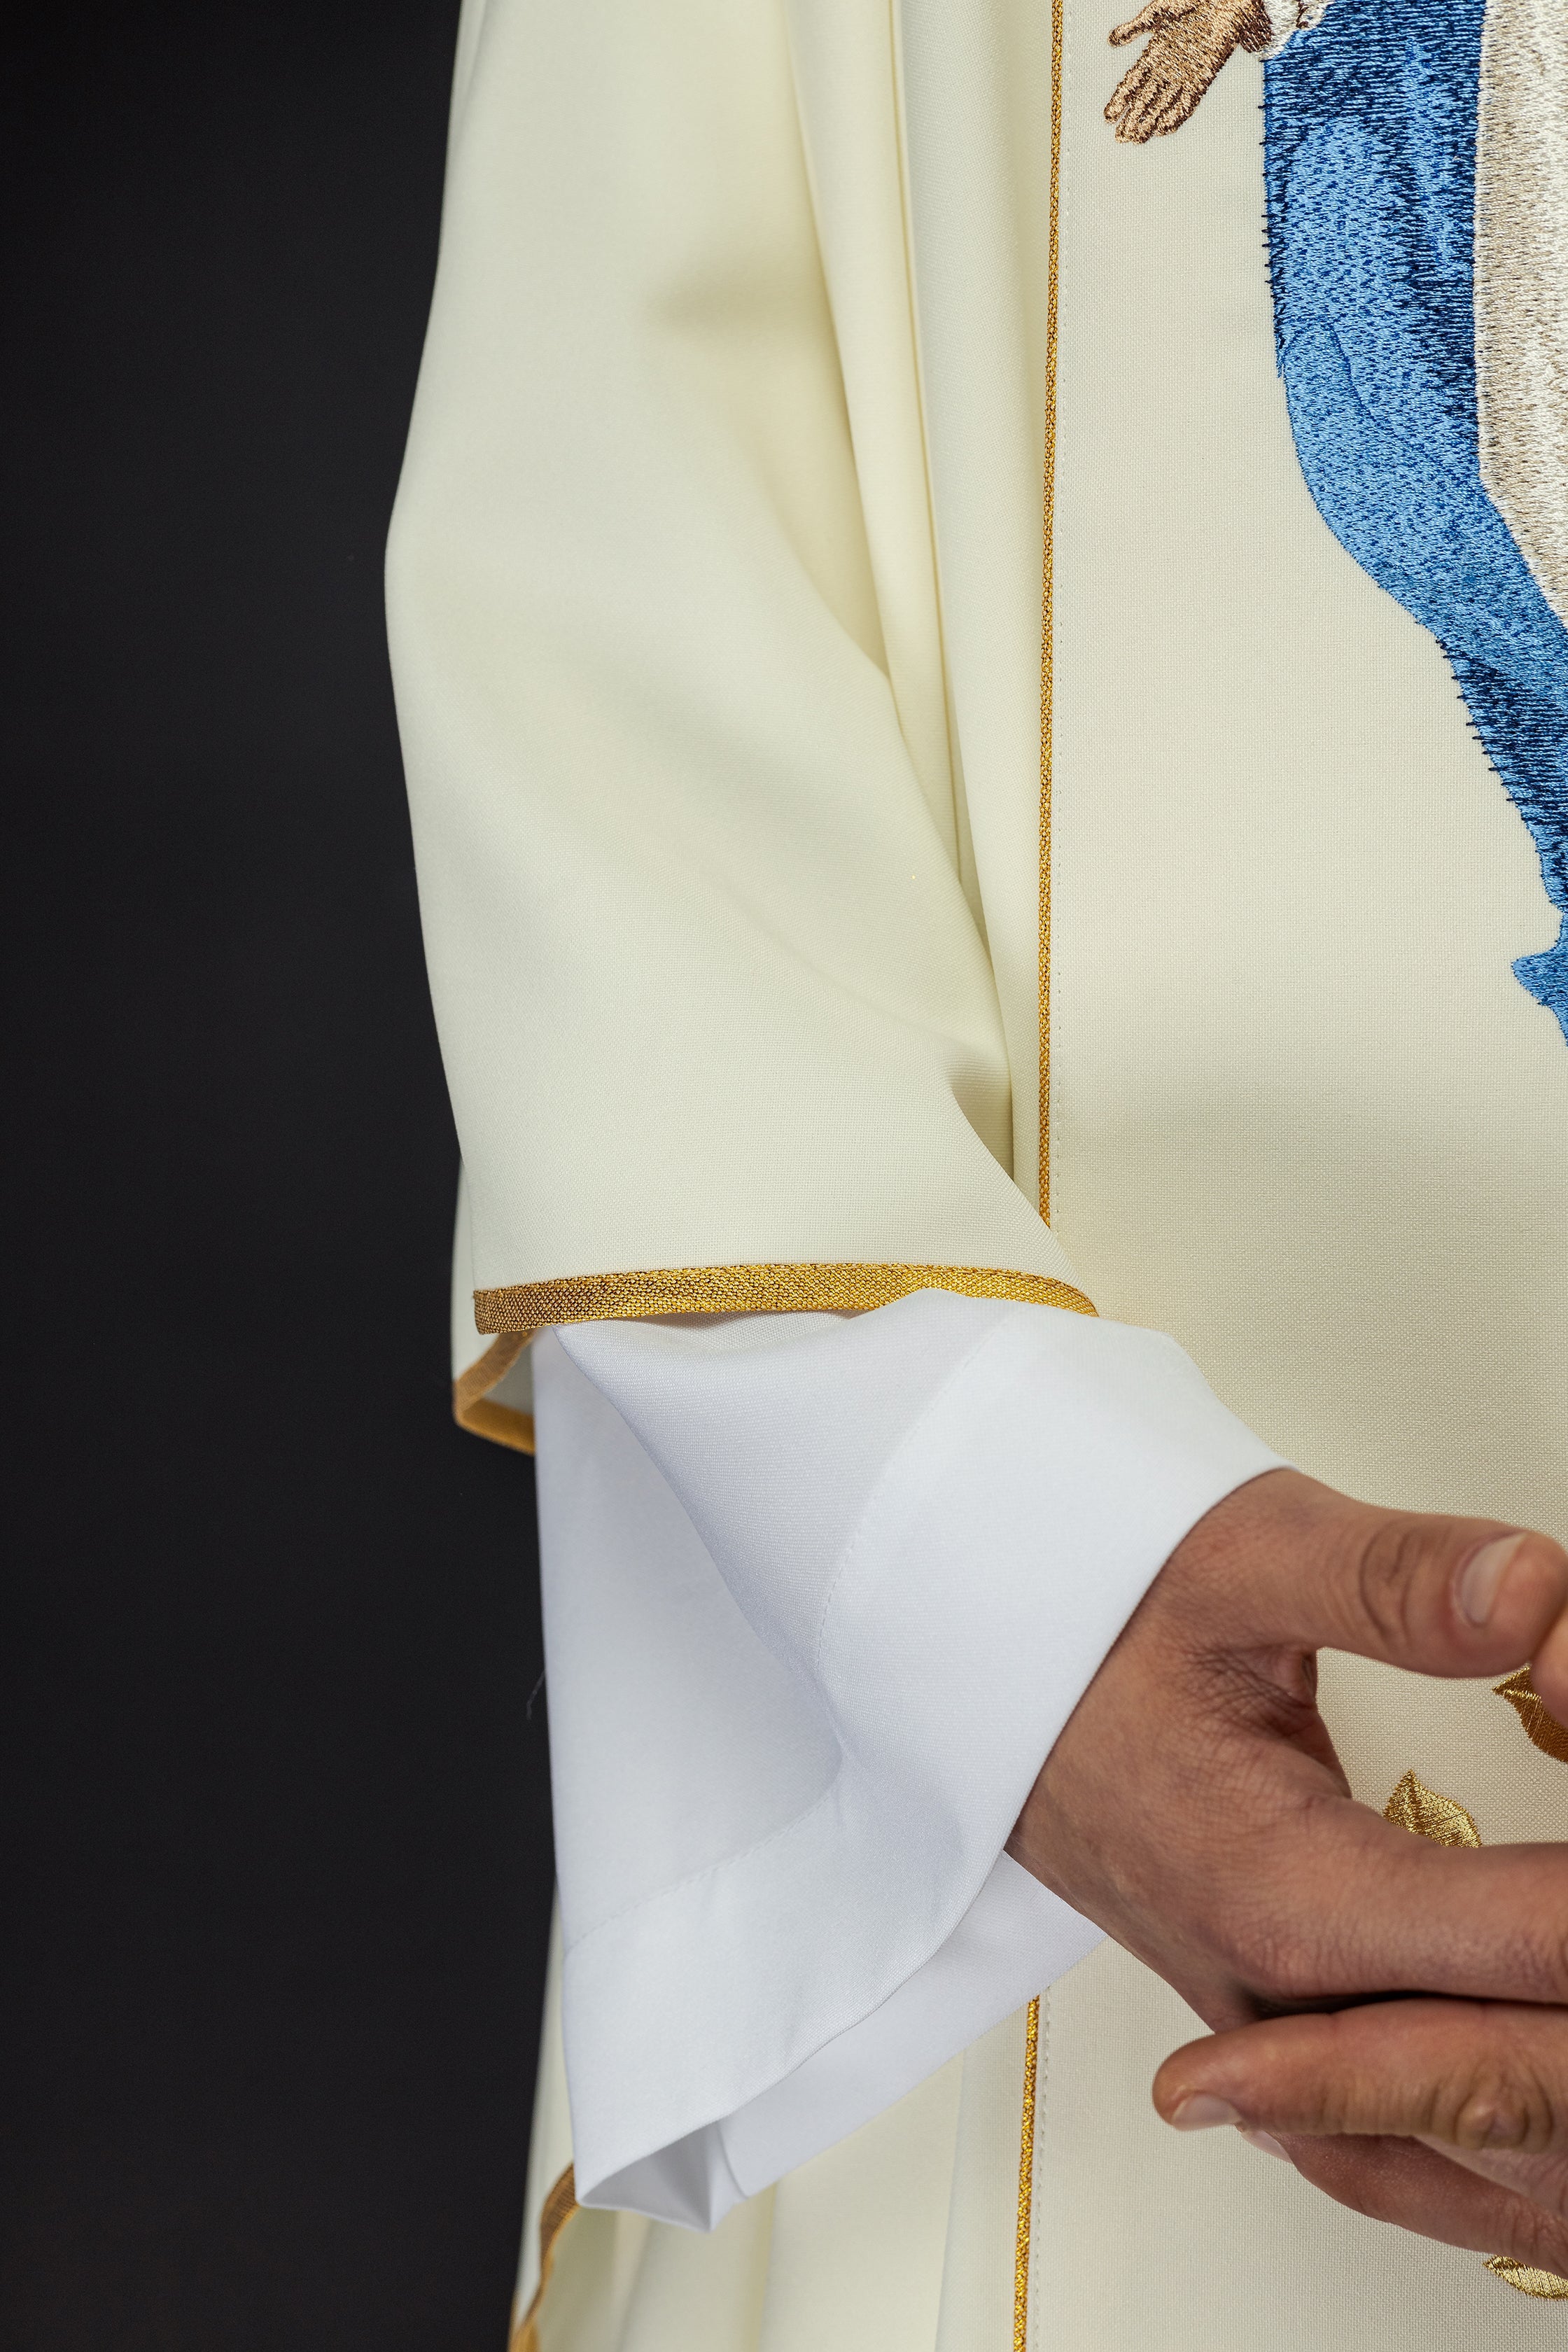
{"x": 1048, "y": 583}
{"x": 1025, "y": 2182}
{"x": 1047, "y": 706}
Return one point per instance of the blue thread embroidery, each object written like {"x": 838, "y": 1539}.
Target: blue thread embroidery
{"x": 1369, "y": 142}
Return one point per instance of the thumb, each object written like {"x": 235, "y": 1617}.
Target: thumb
{"x": 1149, "y": 20}
{"x": 1433, "y": 1594}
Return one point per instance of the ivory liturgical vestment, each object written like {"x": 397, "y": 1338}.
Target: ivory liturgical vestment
{"x": 987, "y": 715}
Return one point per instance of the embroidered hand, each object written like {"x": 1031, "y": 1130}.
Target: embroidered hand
{"x": 1194, "y": 1807}
{"x": 1192, "y": 39}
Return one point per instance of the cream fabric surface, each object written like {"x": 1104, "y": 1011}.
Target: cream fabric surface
{"x": 819, "y": 1593}
{"x": 663, "y": 619}
{"x": 649, "y": 630}
{"x": 1306, "y": 1118}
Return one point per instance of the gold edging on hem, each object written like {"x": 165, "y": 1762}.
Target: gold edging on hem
{"x": 1048, "y": 615}
{"x": 803, "y": 1288}
{"x": 1026, "y": 2181}
{"x": 472, "y": 1409}
{"x": 554, "y": 2214}
{"x": 501, "y": 1424}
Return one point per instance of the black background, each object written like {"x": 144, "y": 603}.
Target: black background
{"x": 276, "y": 1871}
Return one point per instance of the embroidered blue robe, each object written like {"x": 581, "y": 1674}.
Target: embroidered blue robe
{"x": 1371, "y": 161}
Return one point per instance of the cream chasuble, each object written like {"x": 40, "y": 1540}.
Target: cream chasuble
{"x": 761, "y": 327}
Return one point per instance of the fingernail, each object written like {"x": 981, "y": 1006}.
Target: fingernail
{"x": 1482, "y": 1575}
{"x": 1201, "y": 2113}
{"x": 1263, "y": 2142}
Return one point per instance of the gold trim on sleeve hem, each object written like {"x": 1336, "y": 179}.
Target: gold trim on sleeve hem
{"x": 472, "y": 1408}
{"x": 554, "y": 2214}
{"x": 524, "y": 1307}
{"x": 503, "y": 1425}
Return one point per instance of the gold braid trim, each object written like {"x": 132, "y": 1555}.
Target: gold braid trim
{"x": 1026, "y": 2181}
{"x": 525, "y": 1308}
{"x": 473, "y": 1410}
{"x": 554, "y": 2214}
{"x": 1021, "y": 2243}
{"x": 1047, "y": 612}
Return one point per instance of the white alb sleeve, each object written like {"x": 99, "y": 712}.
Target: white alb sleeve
{"x": 820, "y": 1592}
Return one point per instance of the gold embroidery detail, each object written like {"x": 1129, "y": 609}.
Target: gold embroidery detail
{"x": 472, "y": 1406}
{"x": 555, "y": 2212}
{"x": 1074, "y": 1298}
{"x": 525, "y": 1308}
{"x": 1026, "y": 2182}
{"x": 1416, "y": 1806}
{"x": 1047, "y": 612}
{"x": 503, "y": 1425}
{"x": 1545, "y": 2284}
{"x": 1542, "y": 1729}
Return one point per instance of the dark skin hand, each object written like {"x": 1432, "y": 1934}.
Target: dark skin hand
{"x": 1194, "y": 1807}
{"x": 1242, "y": 1872}
{"x": 1477, "y": 2089}
{"x": 1190, "y": 41}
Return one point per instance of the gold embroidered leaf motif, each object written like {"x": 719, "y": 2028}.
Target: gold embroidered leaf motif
{"x": 1545, "y": 2284}
{"x": 1416, "y": 1806}
{"x": 1542, "y": 1729}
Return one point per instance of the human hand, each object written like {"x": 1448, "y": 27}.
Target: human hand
{"x": 1192, "y": 39}
{"x": 1193, "y": 1807}
{"x": 1478, "y": 2085}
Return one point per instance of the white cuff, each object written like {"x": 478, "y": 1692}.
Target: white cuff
{"x": 820, "y": 1594}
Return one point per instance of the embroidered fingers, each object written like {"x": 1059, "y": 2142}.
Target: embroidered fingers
{"x": 1149, "y": 19}
{"x": 1190, "y": 41}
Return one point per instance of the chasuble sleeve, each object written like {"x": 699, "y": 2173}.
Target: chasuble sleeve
{"x": 717, "y": 1001}
{"x": 714, "y": 1000}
